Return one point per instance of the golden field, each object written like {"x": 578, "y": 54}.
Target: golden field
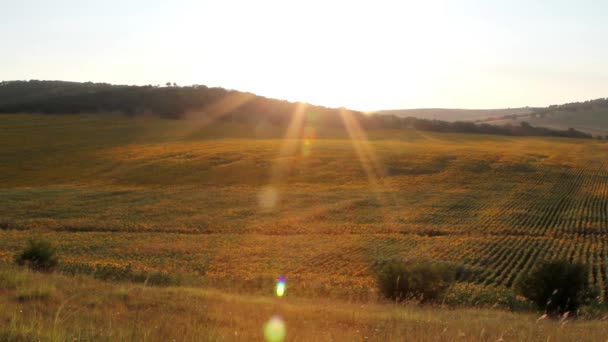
{"x": 170, "y": 196}
{"x": 231, "y": 207}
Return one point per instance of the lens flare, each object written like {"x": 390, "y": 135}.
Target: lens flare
{"x": 268, "y": 198}
{"x": 281, "y": 287}
{"x": 306, "y": 148}
{"x": 274, "y": 330}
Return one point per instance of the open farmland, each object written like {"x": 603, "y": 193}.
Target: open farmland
{"x": 234, "y": 206}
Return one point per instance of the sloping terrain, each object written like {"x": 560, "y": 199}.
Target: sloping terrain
{"x": 447, "y": 114}
{"x": 589, "y": 116}
{"x": 19, "y": 92}
{"x": 593, "y": 121}
{"x": 238, "y": 205}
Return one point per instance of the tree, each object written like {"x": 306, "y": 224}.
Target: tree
{"x": 423, "y": 280}
{"x": 557, "y": 286}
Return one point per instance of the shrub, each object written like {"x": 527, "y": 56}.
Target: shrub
{"x": 39, "y": 255}
{"x": 419, "y": 279}
{"x": 556, "y": 287}
{"x": 477, "y": 295}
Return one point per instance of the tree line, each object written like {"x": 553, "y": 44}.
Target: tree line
{"x": 171, "y": 101}
{"x": 601, "y": 104}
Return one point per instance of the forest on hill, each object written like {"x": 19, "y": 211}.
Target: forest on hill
{"x": 588, "y": 116}
{"x": 601, "y": 103}
{"x": 171, "y": 101}
{"x": 456, "y": 114}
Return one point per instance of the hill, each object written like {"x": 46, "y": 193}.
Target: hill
{"x": 590, "y": 117}
{"x": 451, "y": 115}
{"x": 593, "y": 121}
{"x": 13, "y": 93}
{"x": 180, "y": 196}
{"x": 215, "y": 104}
{"x": 58, "y": 97}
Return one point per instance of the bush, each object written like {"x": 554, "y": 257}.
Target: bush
{"x": 477, "y": 295}
{"x": 39, "y": 255}
{"x": 557, "y": 287}
{"x": 420, "y": 279}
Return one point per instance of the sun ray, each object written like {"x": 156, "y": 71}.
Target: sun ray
{"x": 290, "y": 143}
{"x": 227, "y": 104}
{"x": 205, "y": 116}
{"x": 370, "y": 163}
{"x": 364, "y": 151}
{"x": 269, "y": 196}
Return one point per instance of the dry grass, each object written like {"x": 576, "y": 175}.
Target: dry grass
{"x": 82, "y": 309}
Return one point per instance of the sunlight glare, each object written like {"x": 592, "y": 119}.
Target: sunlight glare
{"x": 365, "y": 153}
{"x": 281, "y": 286}
{"x": 369, "y": 162}
{"x": 268, "y": 198}
{"x": 274, "y": 330}
{"x": 306, "y": 148}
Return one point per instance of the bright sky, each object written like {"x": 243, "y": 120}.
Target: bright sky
{"x": 364, "y": 55}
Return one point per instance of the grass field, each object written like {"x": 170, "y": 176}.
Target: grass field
{"x": 234, "y": 206}
{"x": 38, "y": 307}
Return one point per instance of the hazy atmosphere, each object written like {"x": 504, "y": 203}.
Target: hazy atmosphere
{"x": 362, "y": 55}
{"x": 313, "y": 171}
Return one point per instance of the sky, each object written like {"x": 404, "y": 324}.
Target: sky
{"x": 364, "y": 55}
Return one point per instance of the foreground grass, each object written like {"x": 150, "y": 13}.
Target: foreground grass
{"x": 59, "y": 308}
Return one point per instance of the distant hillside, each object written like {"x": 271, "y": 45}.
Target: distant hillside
{"x": 219, "y": 104}
{"x": 13, "y": 93}
{"x": 589, "y": 116}
{"x": 594, "y": 122}
{"x": 452, "y": 115}
{"x": 58, "y": 97}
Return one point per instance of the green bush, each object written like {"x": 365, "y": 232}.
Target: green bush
{"x": 419, "y": 280}
{"x": 39, "y": 255}
{"x": 557, "y": 287}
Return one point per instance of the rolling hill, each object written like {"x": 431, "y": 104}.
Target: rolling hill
{"x": 323, "y": 207}
{"x": 590, "y": 116}
{"x": 452, "y": 115}
{"x": 217, "y": 210}
{"x": 218, "y": 104}
{"x": 593, "y": 121}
